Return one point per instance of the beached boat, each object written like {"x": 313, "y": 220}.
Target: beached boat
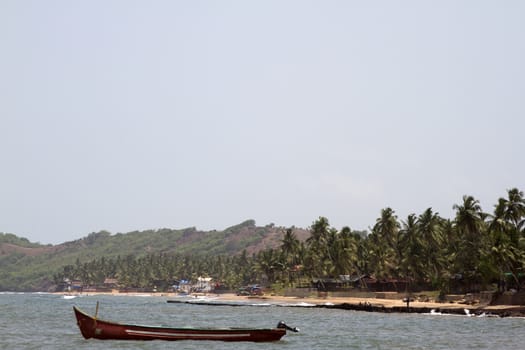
{"x": 92, "y": 327}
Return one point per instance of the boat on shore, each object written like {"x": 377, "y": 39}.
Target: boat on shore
{"x": 92, "y": 327}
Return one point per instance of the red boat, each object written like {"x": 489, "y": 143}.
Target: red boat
{"x": 92, "y": 327}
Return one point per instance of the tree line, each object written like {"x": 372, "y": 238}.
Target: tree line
{"x": 474, "y": 249}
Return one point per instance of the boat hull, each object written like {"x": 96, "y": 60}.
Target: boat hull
{"x": 90, "y": 327}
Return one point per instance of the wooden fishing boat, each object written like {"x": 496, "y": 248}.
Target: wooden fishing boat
{"x": 92, "y": 327}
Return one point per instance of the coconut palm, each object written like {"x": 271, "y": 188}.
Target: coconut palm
{"x": 319, "y": 234}
{"x": 430, "y": 233}
{"x": 515, "y": 208}
{"x": 267, "y": 264}
{"x": 384, "y": 240}
{"x": 289, "y": 249}
{"x": 469, "y": 223}
{"x": 411, "y": 249}
{"x": 290, "y": 246}
{"x": 344, "y": 252}
{"x": 506, "y": 253}
{"x": 319, "y": 247}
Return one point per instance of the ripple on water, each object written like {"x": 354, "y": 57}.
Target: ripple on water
{"x": 46, "y": 321}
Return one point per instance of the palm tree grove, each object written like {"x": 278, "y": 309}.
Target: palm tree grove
{"x": 473, "y": 251}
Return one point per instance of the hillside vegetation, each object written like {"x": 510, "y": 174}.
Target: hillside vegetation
{"x": 26, "y": 266}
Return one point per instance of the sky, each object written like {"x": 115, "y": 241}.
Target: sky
{"x": 135, "y": 115}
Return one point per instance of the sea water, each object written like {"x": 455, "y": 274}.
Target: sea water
{"x": 46, "y": 321}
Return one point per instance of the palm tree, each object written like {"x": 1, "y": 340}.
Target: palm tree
{"x": 343, "y": 252}
{"x": 267, "y": 264}
{"x": 506, "y": 253}
{"x": 515, "y": 208}
{"x": 450, "y": 253}
{"x": 469, "y": 217}
{"x": 429, "y": 231}
{"x": 411, "y": 249}
{"x": 319, "y": 234}
{"x": 290, "y": 245}
{"x": 469, "y": 223}
{"x": 289, "y": 249}
{"x": 384, "y": 240}
{"x": 319, "y": 242}
{"x": 362, "y": 258}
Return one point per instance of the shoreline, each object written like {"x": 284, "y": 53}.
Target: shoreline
{"x": 344, "y": 303}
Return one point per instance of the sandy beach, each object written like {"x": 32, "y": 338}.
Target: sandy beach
{"x": 350, "y": 303}
{"x": 374, "y": 302}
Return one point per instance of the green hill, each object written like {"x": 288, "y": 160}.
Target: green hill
{"x": 26, "y": 266}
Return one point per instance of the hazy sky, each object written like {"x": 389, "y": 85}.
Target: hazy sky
{"x": 131, "y": 115}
